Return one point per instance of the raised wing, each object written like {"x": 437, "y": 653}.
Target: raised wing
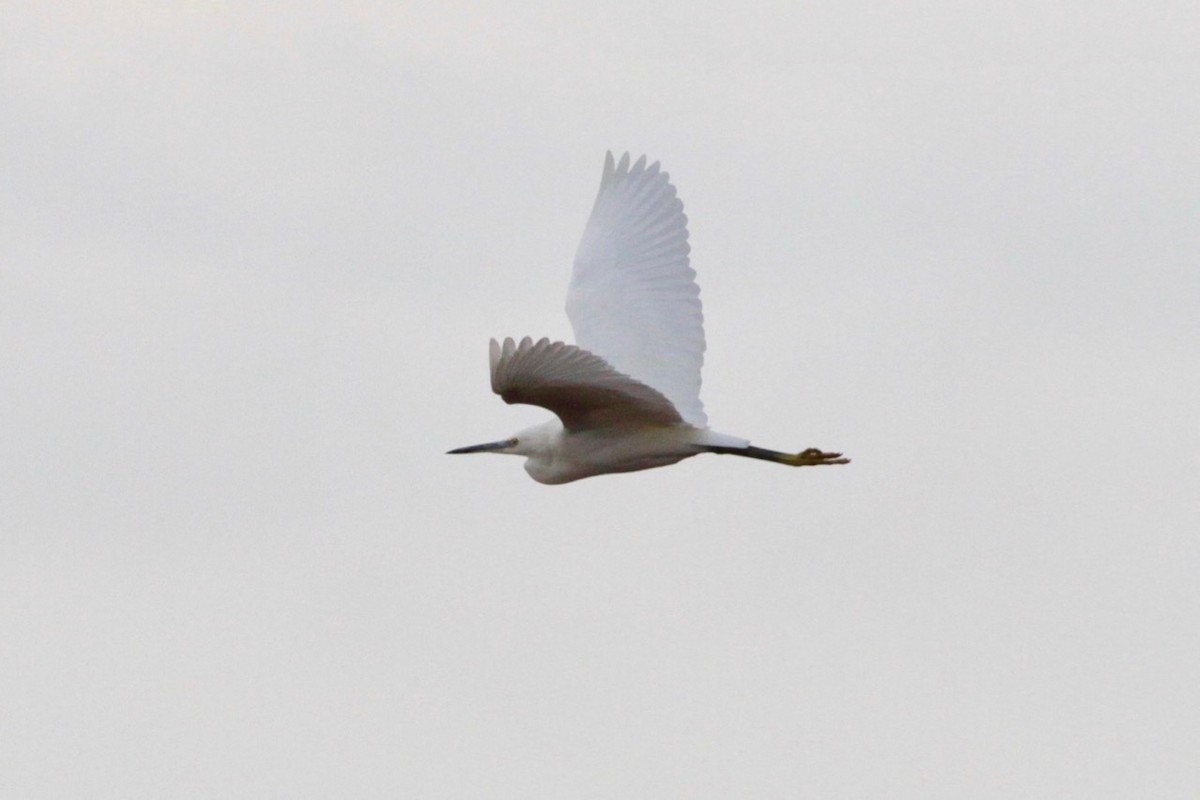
{"x": 582, "y": 389}
{"x": 633, "y": 299}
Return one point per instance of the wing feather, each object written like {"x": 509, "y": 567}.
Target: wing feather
{"x": 633, "y": 298}
{"x": 581, "y": 388}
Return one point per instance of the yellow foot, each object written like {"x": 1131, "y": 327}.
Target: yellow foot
{"x": 812, "y": 457}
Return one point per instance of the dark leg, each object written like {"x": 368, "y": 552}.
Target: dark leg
{"x": 812, "y": 457}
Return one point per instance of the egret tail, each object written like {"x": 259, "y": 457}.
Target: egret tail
{"x": 812, "y": 457}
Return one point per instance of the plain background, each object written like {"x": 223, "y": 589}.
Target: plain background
{"x": 251, "y": 256}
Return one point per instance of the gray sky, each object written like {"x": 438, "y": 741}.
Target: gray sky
{"x": 249, "y": 264}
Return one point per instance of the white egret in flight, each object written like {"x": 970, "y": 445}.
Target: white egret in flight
{"x": 627, "y": 396}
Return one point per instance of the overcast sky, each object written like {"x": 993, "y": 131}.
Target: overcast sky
{"x": 250, "y": 259}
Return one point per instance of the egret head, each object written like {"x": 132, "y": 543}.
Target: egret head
{"x": 535, "y": 441}
{"x": 539, "y": 444}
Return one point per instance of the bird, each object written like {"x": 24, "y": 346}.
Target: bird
{"x": 626, "y": 396}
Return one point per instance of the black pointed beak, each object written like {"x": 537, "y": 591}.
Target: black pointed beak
{"x": 482, "y": 448}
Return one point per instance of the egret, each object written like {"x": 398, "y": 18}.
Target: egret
{"x": 627, "y": 395}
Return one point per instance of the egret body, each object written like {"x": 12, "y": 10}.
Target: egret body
{"x": 627, "y": 396}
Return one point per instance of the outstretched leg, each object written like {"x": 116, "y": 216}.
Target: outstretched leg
{"x": 812, "y": 457}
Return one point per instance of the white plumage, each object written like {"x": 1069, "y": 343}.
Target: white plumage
{"x": 627, "y": 396}
{"x": 633, "y": 298}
